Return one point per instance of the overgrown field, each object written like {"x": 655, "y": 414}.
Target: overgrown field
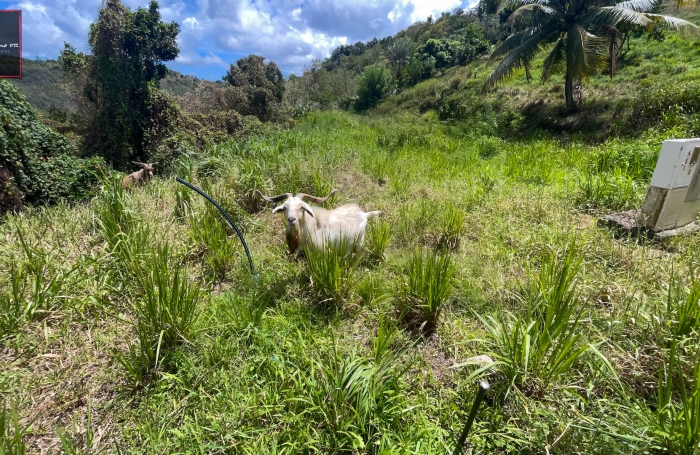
{"x": 132, "y": 323}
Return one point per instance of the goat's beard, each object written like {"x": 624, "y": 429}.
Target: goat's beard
{"x": 293, "y": 237}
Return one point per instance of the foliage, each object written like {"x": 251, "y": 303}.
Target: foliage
{"x": 261, "y": 83}
{"x": 319, "y": 88}
{"x": 333, "y": 272}
{"x": 458, "y": 49}
{"x": 117, "y": 81}
{"x": 164, "y": 317}
{"x": 357, "y": 398}
{"x": 540, "y": 346}
{"x": 398, "y": 55}
{"x": 37, "y": 163}
{"x": 372, "y": 86}
{"x": 11, "y": 432}
{"x": 422, "y": 298}
{"x": 378, "y": 237}
{"x": 572, "y": 32}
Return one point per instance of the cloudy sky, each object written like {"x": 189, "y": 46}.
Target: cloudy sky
{"x": 215, "y": 33}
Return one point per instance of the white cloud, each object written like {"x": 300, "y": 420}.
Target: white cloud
{"x": 217, "y": 32}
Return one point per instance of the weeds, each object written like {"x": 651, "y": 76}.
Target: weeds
{"x": 538, "y": 347}
{"x": 379, "y": 235}
{"x": 332, "y": 270}
{"x": 11, "y": 433}
{"x": 451, "y": 226}
{"x": 422, "y": 297}
{"x": 209, "y": 230}
{"x": 360, "y": 399}
{"x": 164, "y": 317}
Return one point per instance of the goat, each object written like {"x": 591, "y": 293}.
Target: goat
{"x": 315, "y": 225}
{"x": 139, "y": 176}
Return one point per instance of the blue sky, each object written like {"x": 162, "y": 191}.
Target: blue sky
{"x": 215, "y": 33}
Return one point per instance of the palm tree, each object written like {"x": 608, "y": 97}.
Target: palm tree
{"x": 572, "y": 31}
{"x": 398, "y": 55}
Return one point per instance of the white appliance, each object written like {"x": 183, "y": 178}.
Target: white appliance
{"x": 673, "y": 197}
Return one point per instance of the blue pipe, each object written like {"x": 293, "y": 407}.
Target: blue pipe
{"x": 230, "y": 222}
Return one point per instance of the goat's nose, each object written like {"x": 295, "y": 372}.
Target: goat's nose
{"x": 291, "y": 219}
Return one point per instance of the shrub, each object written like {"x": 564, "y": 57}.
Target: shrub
{"x": 373, "y": 85}
{"x": 36, "y": 162}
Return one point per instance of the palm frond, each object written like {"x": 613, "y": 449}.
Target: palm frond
{"x": 584, "y": 52}
{"x": 518, "y": 56}
{"x": 615, "y": 15}
{"x": 555, "y": 62}
{"x": 514, "y": 4}
{"x": 641, "y": 6}
{"x": 513, "y": 41}
{"x": 683, "y": 27}
{"x": 534, "y": 13}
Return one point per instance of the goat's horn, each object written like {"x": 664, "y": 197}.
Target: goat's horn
{"x": 153, "y": 164}
{"x": 139, "y": 163}
{"x": 277, "y": 198}
{"x": 316, "y": 199}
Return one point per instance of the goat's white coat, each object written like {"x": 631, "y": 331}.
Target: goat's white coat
{"x": 319, "y": 225}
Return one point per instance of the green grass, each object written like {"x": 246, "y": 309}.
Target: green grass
{"x": 146, "y": 349}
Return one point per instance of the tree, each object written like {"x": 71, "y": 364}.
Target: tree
{"x": 573, "y": 31}
{"x": 372, "y": 86}
{"x": 118, "y": 79}
{"x": 263, "y": 84}
{"x": 398, "y": 54}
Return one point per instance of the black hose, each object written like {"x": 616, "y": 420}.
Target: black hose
{"x": 230, "y": 221}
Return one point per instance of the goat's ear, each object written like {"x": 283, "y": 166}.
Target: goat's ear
{"x": 277, "y": 209}
{"x": 307, "y": 208}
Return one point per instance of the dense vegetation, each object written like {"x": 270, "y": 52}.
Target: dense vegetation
{"x": 131, "y": 323}
{"x": 44, "y": 86}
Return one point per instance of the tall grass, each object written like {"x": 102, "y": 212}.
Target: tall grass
{"x": 377, "y": 240}
{"x": 359, "y": 400}
{"x": 451, "y": 227}
{"x": 678, "y": 406}
{"x": 11, "y": 432}
{"x": 127, "y": 235}
{"x": 421, "y": 298}
{"x": 332, "y": 270}
{"x": 164, "y": 317}
{"x": 208, "y": 229}
{"x": 37, "y": 283}
{"x": 538, "y": 347}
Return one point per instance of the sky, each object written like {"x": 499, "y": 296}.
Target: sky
{"x": 216, "y": 33}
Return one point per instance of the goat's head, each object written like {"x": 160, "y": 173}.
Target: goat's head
{"x": 147, "y": 168}
{"x": 294, "y": 206}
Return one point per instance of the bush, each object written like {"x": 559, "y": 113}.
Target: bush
{"x": 36, "y": 162}
{"x": 372, "y": 86}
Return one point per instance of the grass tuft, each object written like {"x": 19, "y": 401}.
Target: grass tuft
{"x": 422, "y": 297}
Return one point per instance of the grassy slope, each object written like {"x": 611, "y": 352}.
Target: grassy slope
{"x": 259, "y": 372}
{"x": 41, "y": 83}
{"x": 648, "y": 68}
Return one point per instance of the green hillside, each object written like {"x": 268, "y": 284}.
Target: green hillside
{"x": 42, "y": 84}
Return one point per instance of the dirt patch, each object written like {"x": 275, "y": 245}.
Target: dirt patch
{"x": 437, "y": 360}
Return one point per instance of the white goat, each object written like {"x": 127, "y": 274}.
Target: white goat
{"x": 140, "y": 176}
{"x": 318, "y": 225}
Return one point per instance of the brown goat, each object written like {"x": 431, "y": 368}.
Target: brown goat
{"x": 140, "y": 176}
